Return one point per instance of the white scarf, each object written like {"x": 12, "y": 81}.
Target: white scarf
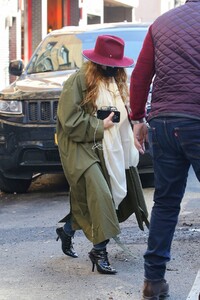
{"x": 119, "y": 150}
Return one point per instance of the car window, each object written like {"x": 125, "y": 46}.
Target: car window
{"x": 64, "y": 51}
{"x": 133, "y": 39}
{"x": 59, "y": 52}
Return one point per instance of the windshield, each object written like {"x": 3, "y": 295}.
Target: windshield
{"x": 64, "y": 51}
{"x": 133, "y": 38}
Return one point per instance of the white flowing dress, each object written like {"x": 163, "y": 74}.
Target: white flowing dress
{"x": 119, "y": 150}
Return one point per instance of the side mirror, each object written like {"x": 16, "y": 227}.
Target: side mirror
{"x": 16, "y": 67}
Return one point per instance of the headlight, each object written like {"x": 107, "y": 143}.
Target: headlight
{"x": 10, "y": 107}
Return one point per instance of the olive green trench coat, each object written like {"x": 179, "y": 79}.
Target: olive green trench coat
{"x": 76, "y": 132}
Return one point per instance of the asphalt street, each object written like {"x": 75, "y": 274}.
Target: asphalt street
{"x": 33, "y": 267}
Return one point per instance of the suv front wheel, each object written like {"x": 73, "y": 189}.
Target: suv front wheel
{"x": 9, "y": 185}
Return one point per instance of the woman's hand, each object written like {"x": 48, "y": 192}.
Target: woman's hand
{"x": 108, "y": 121}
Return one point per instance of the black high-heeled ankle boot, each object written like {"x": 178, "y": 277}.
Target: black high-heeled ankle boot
{"x": 100, "y": 259}
{"x": 66, "y": 240}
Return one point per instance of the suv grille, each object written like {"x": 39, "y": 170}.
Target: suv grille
{"x": 42, "y": 111}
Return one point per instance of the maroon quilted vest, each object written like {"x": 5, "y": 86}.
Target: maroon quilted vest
{"x": 176, "y": 87}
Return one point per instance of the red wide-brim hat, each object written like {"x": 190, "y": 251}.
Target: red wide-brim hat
{"x": 109, "y": 51}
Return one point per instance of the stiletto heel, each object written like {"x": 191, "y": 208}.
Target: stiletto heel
{"x": 93, "y": 265}
{"x": 100, "y": 259}
{"x": 66, "y": 240}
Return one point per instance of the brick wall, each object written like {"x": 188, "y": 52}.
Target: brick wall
{"x": 74, "y": 13}
{"x": 12, "y": 44}
{"x": 36, "y": 23}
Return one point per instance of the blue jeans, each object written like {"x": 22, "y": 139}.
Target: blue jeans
{"x": 175, "y": 146}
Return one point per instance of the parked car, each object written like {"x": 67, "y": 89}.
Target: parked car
{"x": 28, "y": 107}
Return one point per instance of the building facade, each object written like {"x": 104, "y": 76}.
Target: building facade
{"x": 10, "y": 36}
{"x": 24, "y": 23}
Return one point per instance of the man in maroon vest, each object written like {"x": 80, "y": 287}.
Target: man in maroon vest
{"x": 170, "y": 60}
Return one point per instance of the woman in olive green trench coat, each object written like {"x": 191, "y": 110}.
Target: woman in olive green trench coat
{"x": 80, "y": 135}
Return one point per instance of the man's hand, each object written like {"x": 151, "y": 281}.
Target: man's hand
{"x": 140, "y": 136}
{"x": 108, "y": 121}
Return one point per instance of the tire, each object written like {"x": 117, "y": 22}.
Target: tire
{"x": 10, "y": 186}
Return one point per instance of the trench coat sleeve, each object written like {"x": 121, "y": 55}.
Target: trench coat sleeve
{"x": 76, "y": 124}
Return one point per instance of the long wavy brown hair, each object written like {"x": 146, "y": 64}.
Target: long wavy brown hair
{"x": 94, "y": 75}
